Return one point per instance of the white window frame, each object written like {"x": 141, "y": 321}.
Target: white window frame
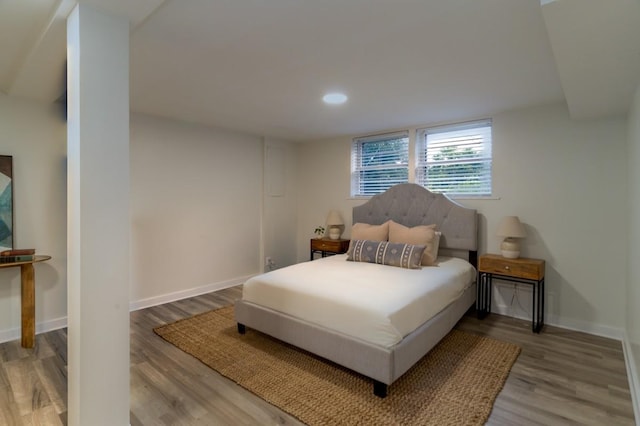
{"x": 363, "y": 187}
{"x": 473, "y": 179}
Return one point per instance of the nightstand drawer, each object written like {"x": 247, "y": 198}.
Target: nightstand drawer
{"x": 335, "y": 246}
{"x": 531, "y": 269}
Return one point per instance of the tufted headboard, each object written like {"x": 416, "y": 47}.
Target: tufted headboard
{"x": 413, "y": 205}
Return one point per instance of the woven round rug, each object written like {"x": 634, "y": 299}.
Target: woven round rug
{"x": 456, "y": 383}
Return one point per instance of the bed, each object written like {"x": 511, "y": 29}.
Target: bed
{"x": 346, "y": 327}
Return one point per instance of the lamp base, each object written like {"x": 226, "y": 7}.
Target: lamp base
{"x": 334, "y": 233}
{"x": 510, "y": 248}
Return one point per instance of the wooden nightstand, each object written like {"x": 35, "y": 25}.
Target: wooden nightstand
{"x": 521, "y": 270}
{"x": 326, "y": 246}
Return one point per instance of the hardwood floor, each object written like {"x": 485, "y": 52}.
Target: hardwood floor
{"x": 561, "y": 377}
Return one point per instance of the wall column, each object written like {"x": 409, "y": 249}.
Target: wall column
{"x": 98, "y": 218}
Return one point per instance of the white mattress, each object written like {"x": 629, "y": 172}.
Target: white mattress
{"x": 376, "y": 303}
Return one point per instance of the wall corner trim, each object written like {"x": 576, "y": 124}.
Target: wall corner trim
{"x": 632, "y": 375}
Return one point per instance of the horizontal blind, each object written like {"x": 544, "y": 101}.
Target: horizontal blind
{"x": 455, "y": 159}
{"x": 378, "y": 162}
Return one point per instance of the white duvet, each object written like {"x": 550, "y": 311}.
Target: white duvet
{"x": 376, "y": 303}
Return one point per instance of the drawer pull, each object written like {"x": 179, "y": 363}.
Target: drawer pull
{"x": 507, "y": 267}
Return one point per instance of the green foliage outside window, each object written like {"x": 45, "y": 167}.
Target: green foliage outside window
{"x": 381, "y": 164}
{"x": 457, "y": 170}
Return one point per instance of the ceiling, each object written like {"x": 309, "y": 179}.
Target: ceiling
{"x": 262, "y": 67}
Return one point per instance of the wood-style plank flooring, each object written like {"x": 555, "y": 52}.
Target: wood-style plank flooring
{"x": 561, "y": 377}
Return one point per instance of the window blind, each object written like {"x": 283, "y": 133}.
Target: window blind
{"x": 379, "y": 162}
{"x": 455, "y": 159}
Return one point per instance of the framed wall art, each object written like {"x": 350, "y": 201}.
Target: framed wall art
{"x": 6, "y": 202}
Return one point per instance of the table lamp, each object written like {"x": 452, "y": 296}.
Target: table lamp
{"x": 511, "y": 229}
{"x": 334, "y": 222}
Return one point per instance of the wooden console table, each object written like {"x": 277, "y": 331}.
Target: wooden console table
{"x": 28, "y": 284}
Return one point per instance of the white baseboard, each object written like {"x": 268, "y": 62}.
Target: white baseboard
{"x": 55, "y": 324}
{"x": 43, "y": 327}
{"x": 569, "y": 324}
{"x": 632, "y": 374}
{"x": 503, "y": 291}
{"x": 184, "y": 294}
{"x": 615, "y": 333}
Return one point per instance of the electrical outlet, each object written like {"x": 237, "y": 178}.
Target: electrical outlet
{"x": 267, "y": 261}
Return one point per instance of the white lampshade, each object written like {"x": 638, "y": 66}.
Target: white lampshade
{"x": 334, "y": 218}
{"x": 334, "y": 222}
{"x": 511, "y": 228}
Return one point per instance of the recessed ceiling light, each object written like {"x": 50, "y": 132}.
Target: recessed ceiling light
{"x": 335, "y": 98}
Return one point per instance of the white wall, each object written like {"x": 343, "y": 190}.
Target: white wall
{"x": 632, "y": 344}
{"x": 196, "y": 197}
{"x": 324, "y": 184}
{"x": 35, "y": 135}
{"x": 566, "y": 180}
{"x": 197, "y": 200}
{"x": 279, "y": 216}
{"x": 200, "y": 217}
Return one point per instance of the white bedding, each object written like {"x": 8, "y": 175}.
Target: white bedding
{"x": 376, "y": 303}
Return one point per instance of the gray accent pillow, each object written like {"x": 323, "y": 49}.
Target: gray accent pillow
{"x": 385, "y": 253}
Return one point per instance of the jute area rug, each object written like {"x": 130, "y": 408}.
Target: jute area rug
{"x": 455, "y": 384}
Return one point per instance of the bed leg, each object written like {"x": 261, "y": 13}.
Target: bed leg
{"x": 379, "y": 389}
{"x": 242, "y": 329}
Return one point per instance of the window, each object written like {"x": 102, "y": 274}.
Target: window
{"x": 379, "y": 162}
{"x": 455, "y": 159}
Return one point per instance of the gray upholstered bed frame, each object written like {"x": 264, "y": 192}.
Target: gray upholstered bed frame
{"x": 410, "y": 205}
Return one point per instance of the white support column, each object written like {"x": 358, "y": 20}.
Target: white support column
{"x": 98, "y": 226}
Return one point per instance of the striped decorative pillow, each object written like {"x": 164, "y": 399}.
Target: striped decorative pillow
{"x": 385, "y": 253}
